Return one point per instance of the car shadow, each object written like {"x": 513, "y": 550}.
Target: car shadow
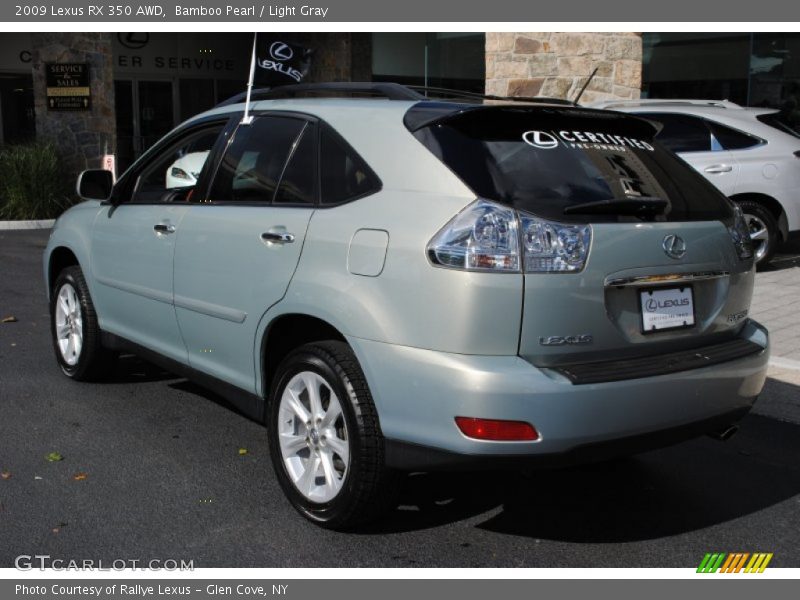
{"x": 129, "y": 368}
{"x": 190, "y": 387}
{"x": 787, "y": 257}
{"x": 666, "y": 492}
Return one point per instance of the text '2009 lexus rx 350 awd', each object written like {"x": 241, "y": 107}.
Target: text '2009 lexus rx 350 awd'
{"x": 401, "y": 284}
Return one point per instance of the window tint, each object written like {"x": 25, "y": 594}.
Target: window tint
{"x": 254, "y": 162}
{"x": 731, "y": 139}
{"x": 298, "y": 184}
{"x": 545, "y": 161}
{"x": 682, "y": 133}
{"x": 177, "y": 169}
{"x": 781, "y": 122}
{"x": 343, "y": 175}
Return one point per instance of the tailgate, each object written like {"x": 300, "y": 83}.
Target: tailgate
{"x": 604, "y": 312}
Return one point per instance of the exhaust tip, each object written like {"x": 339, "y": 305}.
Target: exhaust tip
{"x": 723, "y": 435}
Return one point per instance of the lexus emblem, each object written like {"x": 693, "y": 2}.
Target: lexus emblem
{"x": 540, "y": 139}
{"x": 674, "y": 246}
{"x": 280, "y": 51}
{"x": 134, "y": 41}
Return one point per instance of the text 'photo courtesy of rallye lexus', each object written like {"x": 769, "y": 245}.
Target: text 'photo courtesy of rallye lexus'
{"x": 394, "y": 283}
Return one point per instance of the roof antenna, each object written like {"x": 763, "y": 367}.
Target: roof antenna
{"x": 585, "y": 85}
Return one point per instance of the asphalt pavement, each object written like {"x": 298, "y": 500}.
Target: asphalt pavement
{"x": 151, "y": 469}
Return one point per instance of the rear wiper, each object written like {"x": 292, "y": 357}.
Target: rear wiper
{"x": 643, "y": 205}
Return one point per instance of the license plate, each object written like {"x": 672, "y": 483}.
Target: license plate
{"x": 667, "y": 308}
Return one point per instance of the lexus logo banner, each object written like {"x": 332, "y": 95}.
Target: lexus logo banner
{"x": 278, "y": 62}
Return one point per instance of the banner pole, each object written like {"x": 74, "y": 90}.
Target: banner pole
{"x": 248, "y": 118}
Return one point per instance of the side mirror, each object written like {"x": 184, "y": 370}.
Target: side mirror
{"x": 95, "y": 184}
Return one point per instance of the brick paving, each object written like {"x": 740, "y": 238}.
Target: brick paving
{"x": 776, "y": 304}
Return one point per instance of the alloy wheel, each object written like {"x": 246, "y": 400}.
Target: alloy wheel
{"x": 69, "y": 324}
{"x": 313, "y": 438}
{"x": 759, "y": 235}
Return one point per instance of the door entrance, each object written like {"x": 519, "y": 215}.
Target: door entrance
{"x": 146, "y": 110}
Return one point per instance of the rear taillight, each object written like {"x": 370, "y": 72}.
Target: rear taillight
{"x": 740, "y": 234}
{"x": 482, "y": 237}
{"x": 487, "y": 236}
{"x": 496, "y": 430}
{"x": 554, "y": 247}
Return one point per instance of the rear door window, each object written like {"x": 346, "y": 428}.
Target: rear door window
{"x": 299, "y": 181}
{"x": 546, "y": 160}
{"x": 343, "y": 174}
{"x": 682, "y": 133}
{"x": 731, "y": 139}
{"x": 252, "y": 167}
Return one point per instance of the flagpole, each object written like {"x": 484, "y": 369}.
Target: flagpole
{"x": 248, "y": 118}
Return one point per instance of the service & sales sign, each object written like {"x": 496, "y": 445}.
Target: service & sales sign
{"x": 68, "y": 86}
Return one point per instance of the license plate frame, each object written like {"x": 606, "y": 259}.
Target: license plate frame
{"x": 664, "y": 293}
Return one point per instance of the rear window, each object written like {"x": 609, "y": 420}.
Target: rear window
{"x": 545, "y": 160}
{"x": 782, "y": 122}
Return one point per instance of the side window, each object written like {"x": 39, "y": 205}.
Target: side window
{"x": 173, "y": 173}
{"x": 253, "y": 165}
{"x": 731, "y": 139}
{"x": 299, "y": 182}
{"x": 682, "y": 133}
{"x": 343, "y": 175}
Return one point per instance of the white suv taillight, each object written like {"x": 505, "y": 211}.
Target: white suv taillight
{"x": 482, "y": 237}
{"x": 549, "y": 246}
{"x": 486, "y": 236}
{"x": 740, "y": 234}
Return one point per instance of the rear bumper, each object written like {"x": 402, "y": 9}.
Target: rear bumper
{"x": 418, "y": 394}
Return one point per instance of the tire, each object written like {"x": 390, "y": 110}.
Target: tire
{"x": 338, "y": 491}
{"x": 75, "y": 330}
{"x": 763, "y": 226}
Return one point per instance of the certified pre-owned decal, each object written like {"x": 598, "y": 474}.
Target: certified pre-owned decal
{"x": 547, "y": 140}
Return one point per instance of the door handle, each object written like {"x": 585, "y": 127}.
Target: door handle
{"x": 718, "y": 169}
{"x": 277, "y": 238}
{"x": 164, "y": 228}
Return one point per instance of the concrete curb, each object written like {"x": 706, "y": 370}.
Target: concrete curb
{"x": 14, "y": 225}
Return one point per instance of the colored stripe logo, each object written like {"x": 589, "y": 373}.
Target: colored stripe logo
{"x": 736, "y": 562}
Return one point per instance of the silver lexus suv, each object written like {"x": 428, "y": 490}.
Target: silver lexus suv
{"x": 395, "y": 283}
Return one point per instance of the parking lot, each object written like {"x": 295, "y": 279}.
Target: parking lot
{"x": 155, "y": 467}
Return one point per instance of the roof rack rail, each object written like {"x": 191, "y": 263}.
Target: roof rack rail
{"x": 390, "y": 91}
{"x": 666, "y": 102}
{"x": 450, "y": 93}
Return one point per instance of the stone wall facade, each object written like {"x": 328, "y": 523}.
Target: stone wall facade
{"x": 81, "y": 137}
{"x": 557, "y": 65}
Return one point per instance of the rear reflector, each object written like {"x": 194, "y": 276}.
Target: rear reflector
{"x": 496, "y": 430}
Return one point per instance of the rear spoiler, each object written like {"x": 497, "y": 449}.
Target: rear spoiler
{"x": 427, "y": 113}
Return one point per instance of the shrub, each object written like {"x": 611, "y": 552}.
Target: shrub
{"x": 32, "y": 182}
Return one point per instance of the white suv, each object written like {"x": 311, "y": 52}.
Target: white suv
{"x": 748, "y": 153}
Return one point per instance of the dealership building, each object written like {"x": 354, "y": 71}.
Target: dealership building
{"x": 137, "y": 86}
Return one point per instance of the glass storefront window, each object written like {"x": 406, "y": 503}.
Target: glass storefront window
{"x": 449, "y": 60}
{"x": 196, "y": 96}
{"x": 16, "y": 109}
{"x": 751, "y": 69}
{"x": 696, "y": 65}
{"x": 775, "y": 75}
